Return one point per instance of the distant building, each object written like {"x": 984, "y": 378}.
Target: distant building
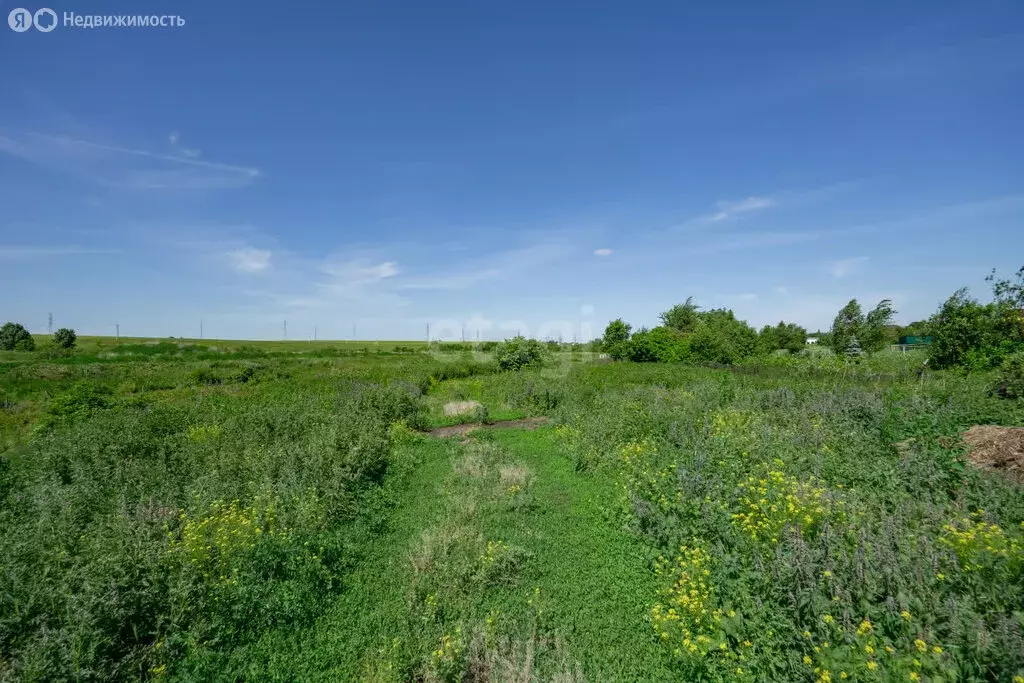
{"x": 914, "y": 340}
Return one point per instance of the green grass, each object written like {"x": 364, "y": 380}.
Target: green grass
{"x": 237, "y": 511}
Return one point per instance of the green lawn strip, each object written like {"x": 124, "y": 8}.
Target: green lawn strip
{"x": 372, "y": 610}
{"x": 594, "y": 578}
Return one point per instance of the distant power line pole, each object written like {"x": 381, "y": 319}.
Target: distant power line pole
{"x": 314, "y": 332}
{"x": 428, "y": 333}
{"x": 200, "y": 328}
{"x": 49, "y": 325}
{"x": 117, "y": 331}
{"x": 286, "y": 329}
{"x": 353, "y": 331}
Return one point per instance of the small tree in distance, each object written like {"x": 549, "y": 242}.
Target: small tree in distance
{"x": 616, "y": 336}
{"x": 14, "y": 337}
{"x": 846, "y": 326}
{"x": 65, "y": 338}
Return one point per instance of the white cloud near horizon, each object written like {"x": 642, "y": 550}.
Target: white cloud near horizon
{"x": 603, "y": 252}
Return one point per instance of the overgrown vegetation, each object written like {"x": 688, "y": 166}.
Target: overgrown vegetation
{"x": 188, "y": 512}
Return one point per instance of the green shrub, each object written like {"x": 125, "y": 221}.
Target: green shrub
{"x": 14, "y": 337}
{"x": 65, "y": 338}
{"x": 1011, "y": 376}
{"x": 518, "y": 353}
{"x": 659, "y": 345}
{"x": 204, "y": 376}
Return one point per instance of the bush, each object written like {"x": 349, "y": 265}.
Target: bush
{"x": 660, "y": 345}
{"x": 518, "y": 353}
{"x": 1011, "y": 376}
{"x": 65, "y": 338}
{"x": 14, "y": 337}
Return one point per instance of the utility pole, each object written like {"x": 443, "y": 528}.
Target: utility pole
{"x": 286, "y": 330}
{"x": 314, "y": 332}
{"x": 200, "y": 328}
{"x": 117, "y": 331}
{"x": 49, "y": 325}
{"x": 353, "y": 331}
{"x": 463, "y": 334}
{"x": 428, "y": 333}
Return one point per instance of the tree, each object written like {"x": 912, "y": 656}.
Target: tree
{"x": 662, "y": 345}
{"x": 846, "y": 325}
{"x": 65, "y": 338}
{"x": 873, "y": 332}
{"x": 616, "y": 335}
{"x": 788, "y": 336}
{"x": 682, "y": 317}
{"x": 14, "y": 337}
{"x": 519, "y": 352}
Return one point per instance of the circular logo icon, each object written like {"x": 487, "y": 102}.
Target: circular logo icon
{"x": 20, "y": 19}
{"x": 45, "y": 20}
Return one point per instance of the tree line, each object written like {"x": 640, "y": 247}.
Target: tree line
{"x": 964, "y": 332}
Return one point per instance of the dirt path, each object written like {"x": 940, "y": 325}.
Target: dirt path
{"x": 463, "y": 429}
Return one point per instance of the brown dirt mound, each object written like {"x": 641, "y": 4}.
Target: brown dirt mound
{"x": 462, "y": 430}
{"x": 997, "y": 448}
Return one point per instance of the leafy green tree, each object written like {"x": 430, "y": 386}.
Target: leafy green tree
{"x": 518, "y": 353}
{"x": 14, "y": 337}
{"x": 616, "y": 337}
{"x": 788, "y": 336}
{"x": 972, "y": 334}
{"x": 65, "y": 338}
{"x": 848, "y": 322}
{"x": 873, "y": 334}
{"x": 682, "y": 317}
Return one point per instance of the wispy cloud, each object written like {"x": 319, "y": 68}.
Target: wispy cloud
{"x": 175, "y": 139}
{"x": 846, "y": 267}
{"x": 13, "y": 253}
{"x": 126, "y": 167}
{"x": 730, "y": 210}
{"x": 249, "y": 260}
{"x": 753, "y": 240}
{"x": 350, "y": 278}
{"x": 488, "y": 267}
{"x": 603, "y": 252}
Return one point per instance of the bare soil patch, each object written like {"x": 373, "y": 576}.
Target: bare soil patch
{"x": 997, "y": 448}
{"x": 463, "y": 429}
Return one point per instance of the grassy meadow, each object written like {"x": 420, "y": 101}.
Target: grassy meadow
{"x": 186, "y": 510}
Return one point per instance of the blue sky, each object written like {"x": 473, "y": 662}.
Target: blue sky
{"x": 500, "y": 166}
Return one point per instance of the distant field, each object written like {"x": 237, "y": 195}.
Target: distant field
{"x": 92, "y": 344}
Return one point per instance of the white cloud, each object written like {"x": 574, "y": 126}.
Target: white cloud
{"x": 754, "y": 240}
{"x": 730, "y": 210}
{"x": 249, "y": 260}
{"x": 603, "y": 252}
{"x": 126, "y": 167}
{"x": 782, "y": 290}
{"x": 500, "y": 264}
{"x": 846, "y": 267}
